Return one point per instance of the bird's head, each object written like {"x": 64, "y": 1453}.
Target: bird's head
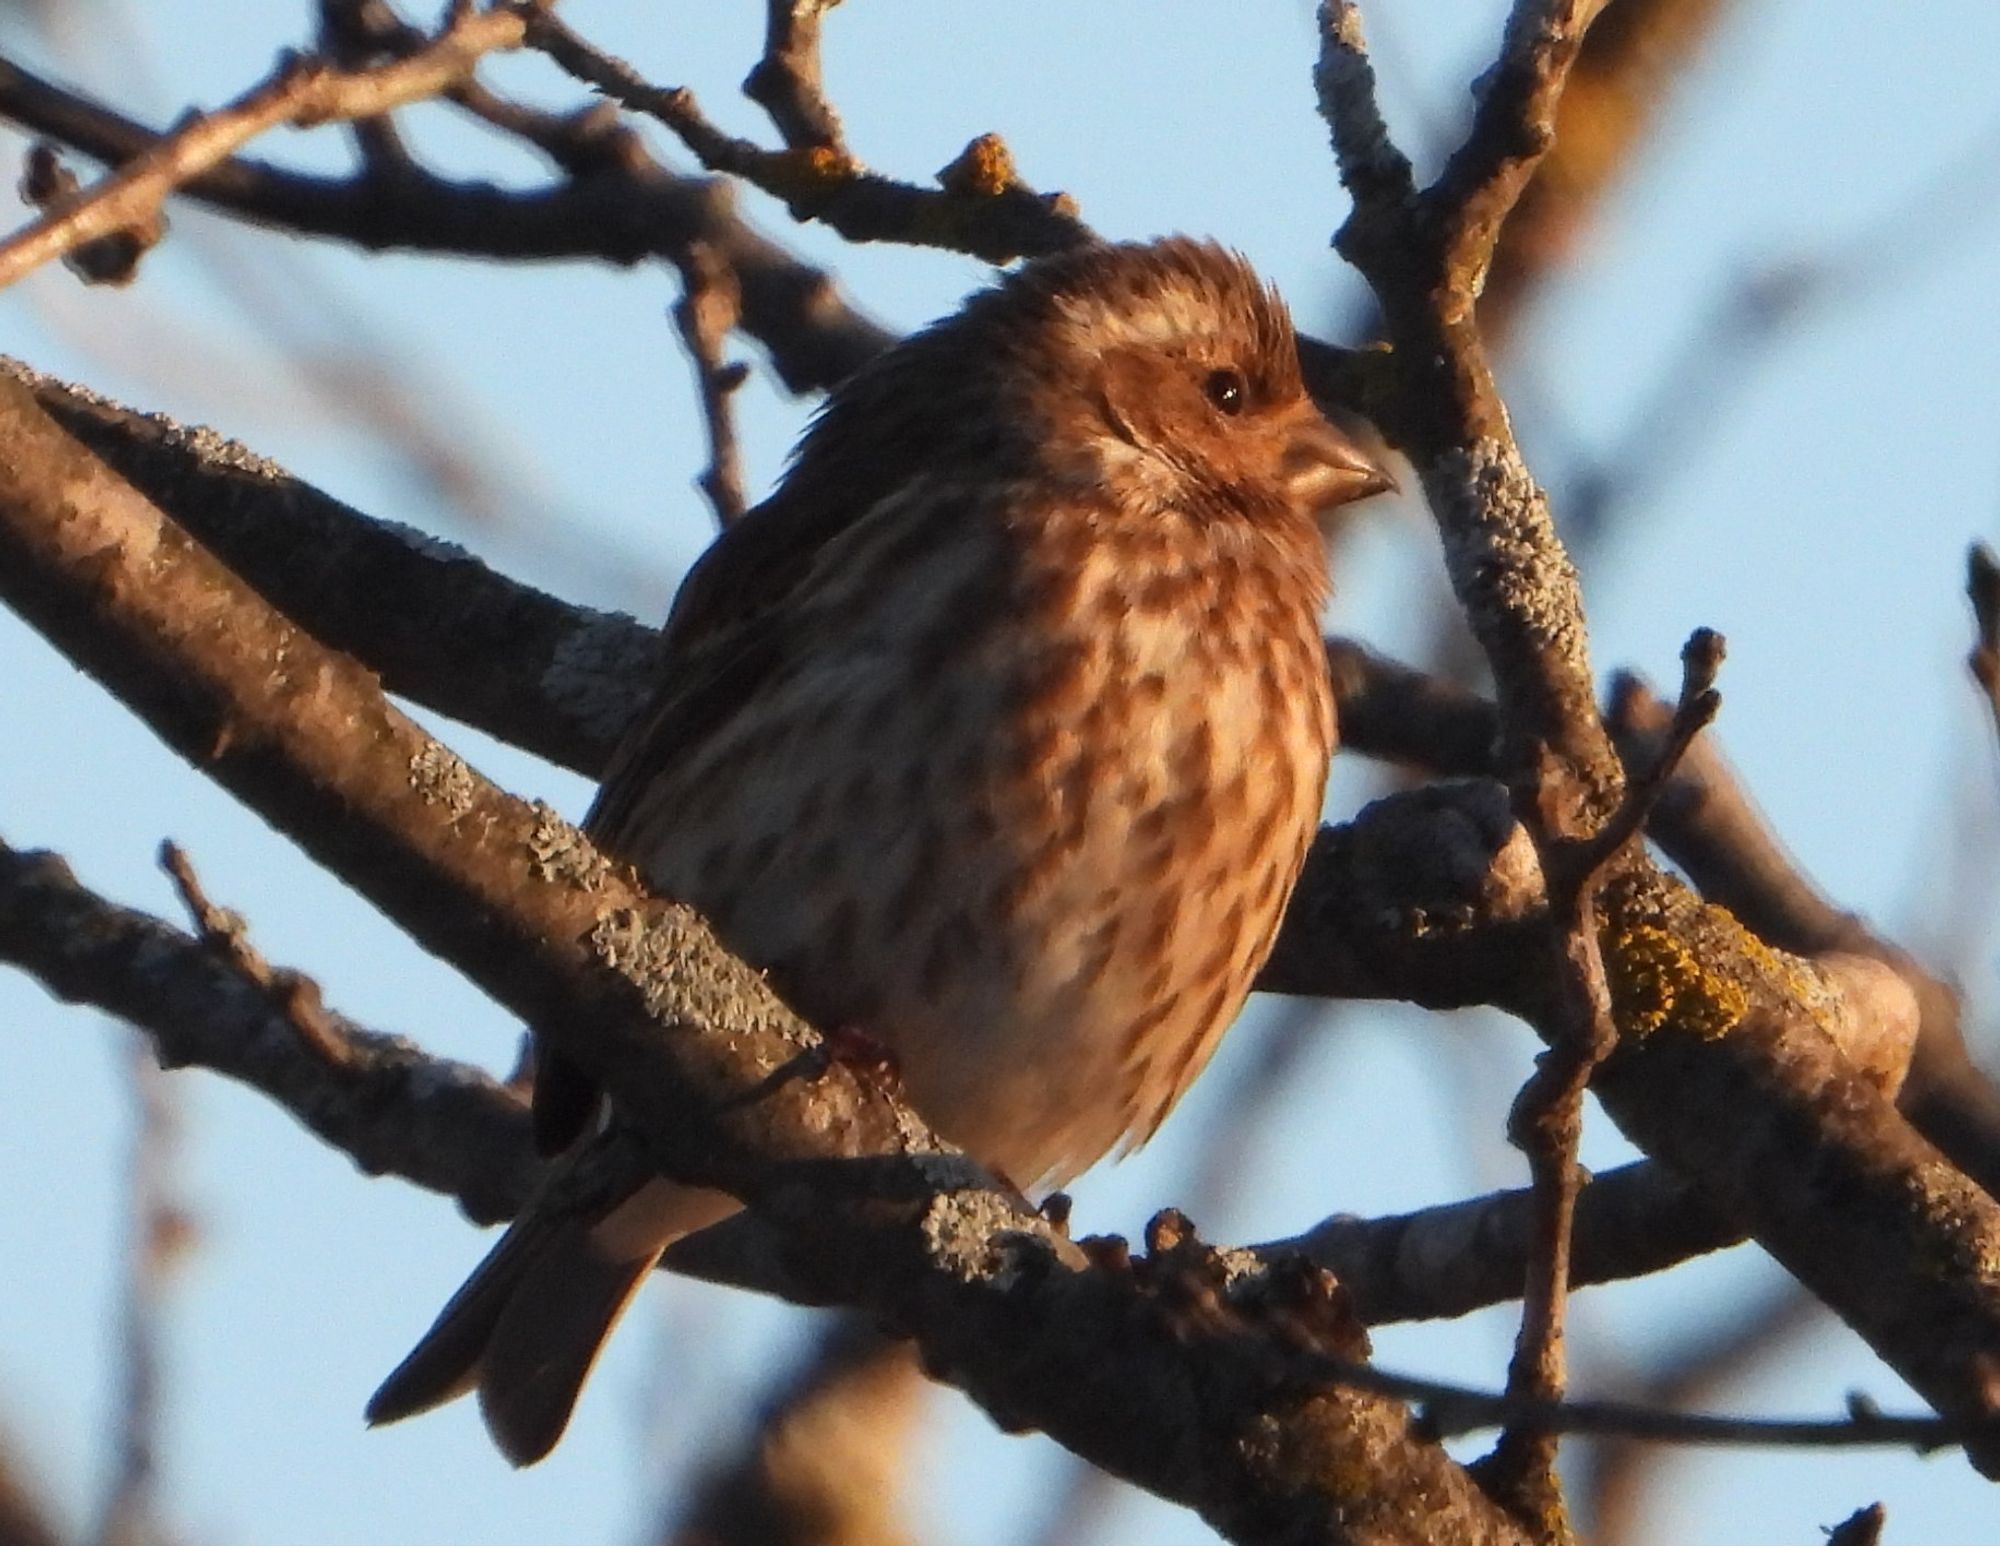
{"x": 1164, "y": 373}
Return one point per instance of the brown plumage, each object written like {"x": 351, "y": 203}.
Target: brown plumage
{"x": 998, "y": 734}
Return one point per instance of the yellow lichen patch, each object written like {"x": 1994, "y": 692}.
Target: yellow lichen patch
{"x": 984, "y": 169}
{"x": 803, "y": 175}
{"x": 1788, "y": 971}
{"x": 1657, "y": 982}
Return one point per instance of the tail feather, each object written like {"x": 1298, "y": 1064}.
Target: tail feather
{"x": 444, "y": 1364}
{"x": 545, "y": 1341}
{"x": 530, "y": 1321}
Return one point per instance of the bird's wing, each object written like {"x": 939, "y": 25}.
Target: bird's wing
{"x": 734, "y": 623}
{"x": 731, "y": 624}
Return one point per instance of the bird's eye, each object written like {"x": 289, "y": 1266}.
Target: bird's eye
{"x": 1227, "y": 390}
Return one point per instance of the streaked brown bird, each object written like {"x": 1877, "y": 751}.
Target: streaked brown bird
{"x": 997, "y": 734}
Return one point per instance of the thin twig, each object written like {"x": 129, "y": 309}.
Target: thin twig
{"x": 1699, "y": 702}
{"x": 438, "y": 1124}
{"x": 159, "y": 1232}
{"x": 354, "y": 34}
{"x": 114, "y": 259}
{"x": 1450, "y": 1411}
{"x": 1512, "y": 129}
{"x": 1547, "y": 1124}
{"x": 786, "y": 81}
{"x": 1863, "y": 1527}
{"x": 293, "y": 994}
{"x": 301, "y": 90}
{"x": 705, "y": 315}
{"x": 1547, "y": 1120}
{"x": 1982, "y": 586}
{"x": 1371, "y": 166}
{"x": 822, "y": 182}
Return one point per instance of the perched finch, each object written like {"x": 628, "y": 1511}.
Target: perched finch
{"x": 996, "y": 735}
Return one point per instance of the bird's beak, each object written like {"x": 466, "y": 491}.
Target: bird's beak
{"x": 1322, "y": 467}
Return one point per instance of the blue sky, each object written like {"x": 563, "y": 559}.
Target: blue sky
{"x": 1817, "y": 514}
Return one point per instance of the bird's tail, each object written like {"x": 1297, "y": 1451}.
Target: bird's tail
{"x": 530, "y": 1321}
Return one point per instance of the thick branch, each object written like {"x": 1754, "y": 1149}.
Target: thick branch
{"x": 1462, "y": 1256}
{"x": 442, "y": 629}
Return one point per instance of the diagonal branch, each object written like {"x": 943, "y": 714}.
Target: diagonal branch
{"x": 556, "y": 679}
{"x": 1982, "y": 588}
{"x": 1512, "y": 129}
{"x": 391, "y": 1107}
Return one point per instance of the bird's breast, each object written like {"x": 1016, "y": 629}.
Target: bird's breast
{"x": 1031, "y": 824}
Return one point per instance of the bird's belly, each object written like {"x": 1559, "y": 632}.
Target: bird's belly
{"x": 1049, "y": 919}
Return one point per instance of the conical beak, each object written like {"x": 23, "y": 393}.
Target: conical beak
{"x": 1322, "y": 467}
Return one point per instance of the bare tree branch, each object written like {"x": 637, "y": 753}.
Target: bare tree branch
{"x": 300, "y": 91}
{"x": 158, "y": 1234}
{"x": 393, "y": 1109}
{"x": 1982, "y": 586}
{"x": 820, "y": 181}
{"x": 1621, "y": 80}
{"x": 617, "y": 206}
{"x": 785, "y": 82}
{"x": 1424, "y": 254}
{"x": 705, "y": 316}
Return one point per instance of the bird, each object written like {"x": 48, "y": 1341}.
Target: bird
{"x": 997, "y": 734}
